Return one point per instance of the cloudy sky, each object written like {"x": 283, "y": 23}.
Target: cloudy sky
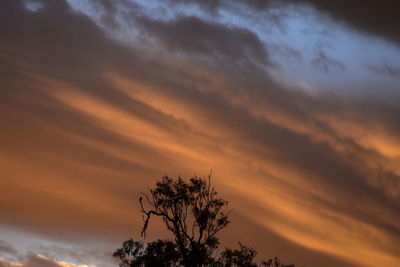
{"x": 294, "y": 105}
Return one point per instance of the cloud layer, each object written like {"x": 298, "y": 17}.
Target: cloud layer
{"x": 91, "y": 116}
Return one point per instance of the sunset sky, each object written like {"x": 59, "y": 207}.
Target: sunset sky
{"x": 293, "y": 104}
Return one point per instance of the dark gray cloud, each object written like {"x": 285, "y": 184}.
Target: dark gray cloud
{"x": 326, "y": 64}
{"x": 213, "y": 6}
{"x": 38, "y": 261}
{"x": 33, "y": 260}
{"x": 377, "y": 17}
{"x": 370, "y": 16}
{"x": 385, "y": 70}
{"x": 6, "y": 248}
{"x": 192, "y": 36}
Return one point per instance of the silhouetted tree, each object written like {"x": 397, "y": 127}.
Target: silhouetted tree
{"x": 275, "y": 262}
{"x": 191, "y": 211}
{"x": 239, "y": 257}
{"x": 194, "y": 214}
{"x": 160, "y": 253}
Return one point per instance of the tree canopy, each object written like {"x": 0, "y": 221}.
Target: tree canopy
{"x": 194, "y": 214}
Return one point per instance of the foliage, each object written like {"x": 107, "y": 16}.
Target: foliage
{"x": 193, "y": 213}
{"x": 160, "y": 253}
{"x": 275, "y": 262}
{"x": 239, "y": 257}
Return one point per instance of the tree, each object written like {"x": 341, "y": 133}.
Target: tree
{"x": 191, "y": 211}
{"x": 275, "y": 262}
{"x": 160, "y": 253}
{"x": 194, "y": 214}
{"x": 239, "y": 257}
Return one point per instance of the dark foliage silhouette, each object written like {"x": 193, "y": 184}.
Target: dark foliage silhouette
{"x": 158, "y": 253}
{"x": 193, "y": 213}
{"x": 238, "y": 257}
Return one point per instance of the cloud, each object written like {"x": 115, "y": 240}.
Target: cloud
{"x": 367, "y": 16}
{"x": 214, "y": 6}
{"x": 326, "y": 64}
{"x": 88, "y": 123}
{"x": 385, "y": 69}
{"x": 6, "y": 248}
{"x": 39, "y": 260}
{"x": 191, "y": 35}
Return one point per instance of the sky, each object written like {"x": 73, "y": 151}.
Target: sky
{"x": 294, "y": 105}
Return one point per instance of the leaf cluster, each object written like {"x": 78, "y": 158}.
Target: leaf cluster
{"x": 160, "y": 253}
